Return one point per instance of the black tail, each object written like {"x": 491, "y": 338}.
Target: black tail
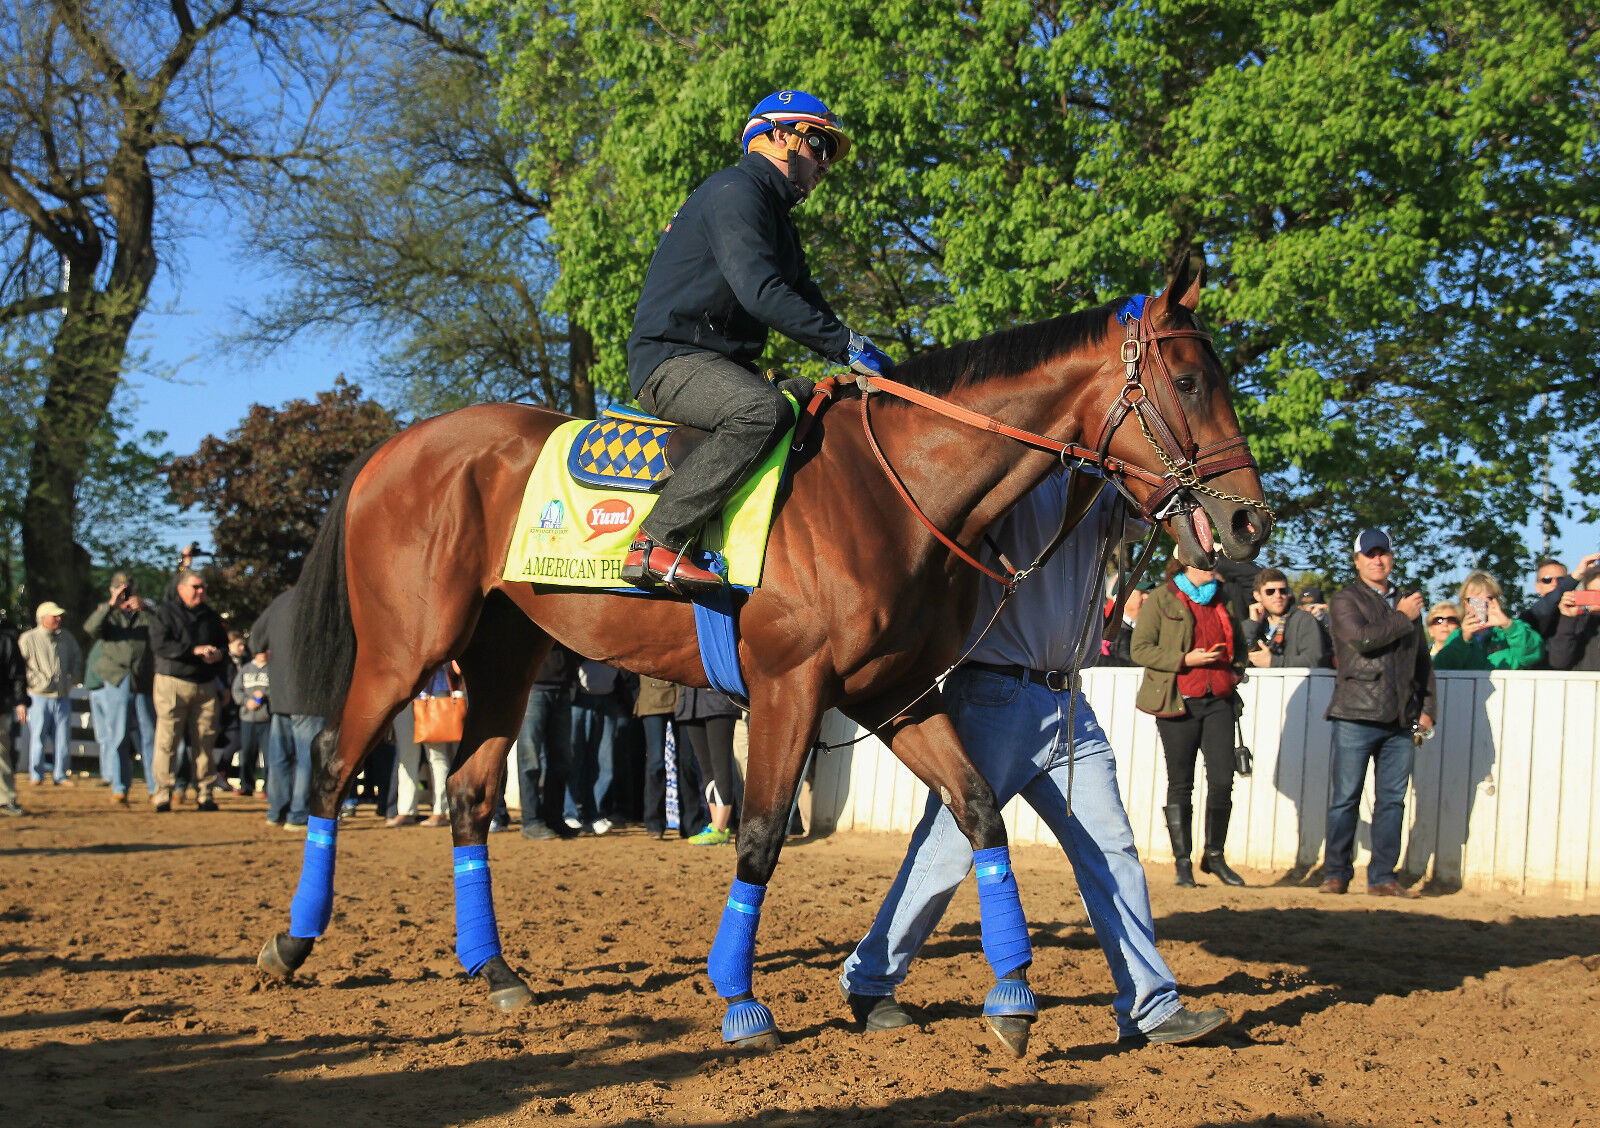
{"x": 322, "y": 640}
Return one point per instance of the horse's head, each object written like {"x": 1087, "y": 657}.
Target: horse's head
{"x": 1173, "y": 420}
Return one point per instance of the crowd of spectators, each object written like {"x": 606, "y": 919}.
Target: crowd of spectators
{"x": 194, "y": 708}
{"x": 197, "y": 710}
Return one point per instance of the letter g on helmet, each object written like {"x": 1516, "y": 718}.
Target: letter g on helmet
{"x": 798, "y": 110}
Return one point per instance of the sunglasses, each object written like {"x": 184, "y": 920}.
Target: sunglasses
{"x": 1547, "y": 579}
{"x": 1437, "y": 619}
{"x": 821, "y": 145}
{"x": 1275, "y": 591}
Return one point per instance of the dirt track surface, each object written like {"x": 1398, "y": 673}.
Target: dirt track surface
{"x": 128, "y": 993}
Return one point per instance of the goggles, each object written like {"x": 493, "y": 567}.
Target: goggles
{"x": 822, "y": 146}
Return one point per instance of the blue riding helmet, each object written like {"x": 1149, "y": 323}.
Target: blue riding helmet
{"x": 797, "y": 111}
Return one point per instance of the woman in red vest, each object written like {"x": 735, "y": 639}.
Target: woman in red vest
{"x": 1193, "y": 654}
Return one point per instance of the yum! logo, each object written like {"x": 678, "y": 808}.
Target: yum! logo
{"x": 608, "y": 516}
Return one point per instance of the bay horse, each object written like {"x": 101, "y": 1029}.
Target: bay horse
{"x": 864, "y": 602}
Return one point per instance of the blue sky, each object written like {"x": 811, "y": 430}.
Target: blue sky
{"x": 208, "y": 392}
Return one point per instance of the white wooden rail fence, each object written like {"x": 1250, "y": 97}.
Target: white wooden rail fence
{"x": 1505, "y": 798}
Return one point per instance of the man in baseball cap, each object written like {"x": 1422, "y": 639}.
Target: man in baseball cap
{"x": 1384, "y": 696}
{"x": 55, "y": 665}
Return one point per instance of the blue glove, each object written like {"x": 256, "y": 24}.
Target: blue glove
{"x": 866, "y": 358}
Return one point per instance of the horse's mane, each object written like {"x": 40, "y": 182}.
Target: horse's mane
{"x": 1008, "y": 352}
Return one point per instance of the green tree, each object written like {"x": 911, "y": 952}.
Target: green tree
{"x": 267, "y": 486}
{"x": 1397, "y": 199}
{"x": 112, "y": 115}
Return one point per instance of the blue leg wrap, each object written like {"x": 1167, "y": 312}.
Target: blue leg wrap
{"x": 477, "y": 938}
{"x": 1005, "y": 929}
{"x": 733, "y": 954}
{"x": 312, "y": 906}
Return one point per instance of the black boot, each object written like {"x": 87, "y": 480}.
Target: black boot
{"x": 1212, "y": 861}
{"x": 1178, "y": 820}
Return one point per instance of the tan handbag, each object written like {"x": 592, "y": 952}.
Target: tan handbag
{"x": 439, "y": 720}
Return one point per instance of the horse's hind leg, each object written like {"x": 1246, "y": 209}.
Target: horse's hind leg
{"x": 927, "y": 744}
{"x": 338, "y": 751}
{"x": 498, "y": 664}
{"x": 783, "y": 725}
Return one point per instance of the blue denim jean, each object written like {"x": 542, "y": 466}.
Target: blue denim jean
{"x": 49, "y": 719}
{"x": 255, "y": 737}
{"x": 144, "y": 712}
{"x": 594, "y": 732}
{"x": 110, "y": 709}
{"x": 289, "y": 767}
{"x": 543, "y": 745}
{"x": 1016, "y": 735}
{"x": 1391, "y": 750}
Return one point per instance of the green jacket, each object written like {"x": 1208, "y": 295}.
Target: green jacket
{"x": 1161, "y": 637}
{"x": 1517, "y": 647}
{"x": 124, "y": 639}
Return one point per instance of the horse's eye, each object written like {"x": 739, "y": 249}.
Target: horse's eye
{"x": 1186, "y": 384}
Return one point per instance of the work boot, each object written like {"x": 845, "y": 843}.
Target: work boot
{"x": 1184, "y": 1026}
{"x": 649, "y": 565}
{"x": 1212, "y": 861}
{"x": 1178, "y": 819}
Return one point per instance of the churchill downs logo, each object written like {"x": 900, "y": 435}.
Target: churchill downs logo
{"x": 608, "y": 516}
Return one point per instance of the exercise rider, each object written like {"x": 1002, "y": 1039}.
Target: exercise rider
{"x": 729, "y": 267}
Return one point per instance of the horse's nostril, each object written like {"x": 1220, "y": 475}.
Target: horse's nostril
{"x": 1246, "y": 527}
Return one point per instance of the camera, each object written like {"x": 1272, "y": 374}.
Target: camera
{"x": 1480, "y": 607}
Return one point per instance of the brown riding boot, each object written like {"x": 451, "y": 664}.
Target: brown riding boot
{"x": 649, "y": 565}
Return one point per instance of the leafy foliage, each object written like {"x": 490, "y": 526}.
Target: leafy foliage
{"x": 268, "y": 485}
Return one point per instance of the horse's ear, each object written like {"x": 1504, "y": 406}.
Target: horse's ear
{"x": 1187, "y": 278}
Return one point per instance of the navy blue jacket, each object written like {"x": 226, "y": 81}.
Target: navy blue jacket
{"x": 729, "y": 267}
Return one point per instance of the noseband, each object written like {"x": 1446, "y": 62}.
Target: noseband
{"x": 1187, "y": 465}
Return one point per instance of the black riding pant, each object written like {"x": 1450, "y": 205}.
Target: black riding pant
{"x": 1208, "y": 727}
{"x": 712, "y": 741}
{"x": 746, "y": 416}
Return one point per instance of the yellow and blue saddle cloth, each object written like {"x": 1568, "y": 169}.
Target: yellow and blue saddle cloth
{"x": 624, "y": 449}
{"x": 594, "y": 484}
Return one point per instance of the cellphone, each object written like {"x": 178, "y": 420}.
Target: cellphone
{"x": 1586, "y": 598}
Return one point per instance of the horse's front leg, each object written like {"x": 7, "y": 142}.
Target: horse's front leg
{"x": 784, "y": 721}
{"x": 938, "y": 861}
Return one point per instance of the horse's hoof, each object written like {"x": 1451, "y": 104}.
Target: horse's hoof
{"x": 748, "y": 1025}
{"x": 511, "y": 998}
{"x": 283, "y": 954}
{"x": 763, "y": 1042}
{"x": 1010, "y": 1009}
{"x": 1013, "y": 1030}
{"x": 507, "y": 991}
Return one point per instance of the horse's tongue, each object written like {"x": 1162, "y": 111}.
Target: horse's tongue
{"x": 1202, "y": 529}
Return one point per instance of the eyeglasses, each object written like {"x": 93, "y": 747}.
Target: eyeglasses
{"x": 821, "y": 145}
{"x": 1547, "y": 579}
{"x": 1437, "y": 619}
{"x": 1275, "y": 591}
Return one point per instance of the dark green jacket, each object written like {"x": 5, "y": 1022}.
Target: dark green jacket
{"x": 1161, "y": 637}
{"x": 124, "y": 649}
